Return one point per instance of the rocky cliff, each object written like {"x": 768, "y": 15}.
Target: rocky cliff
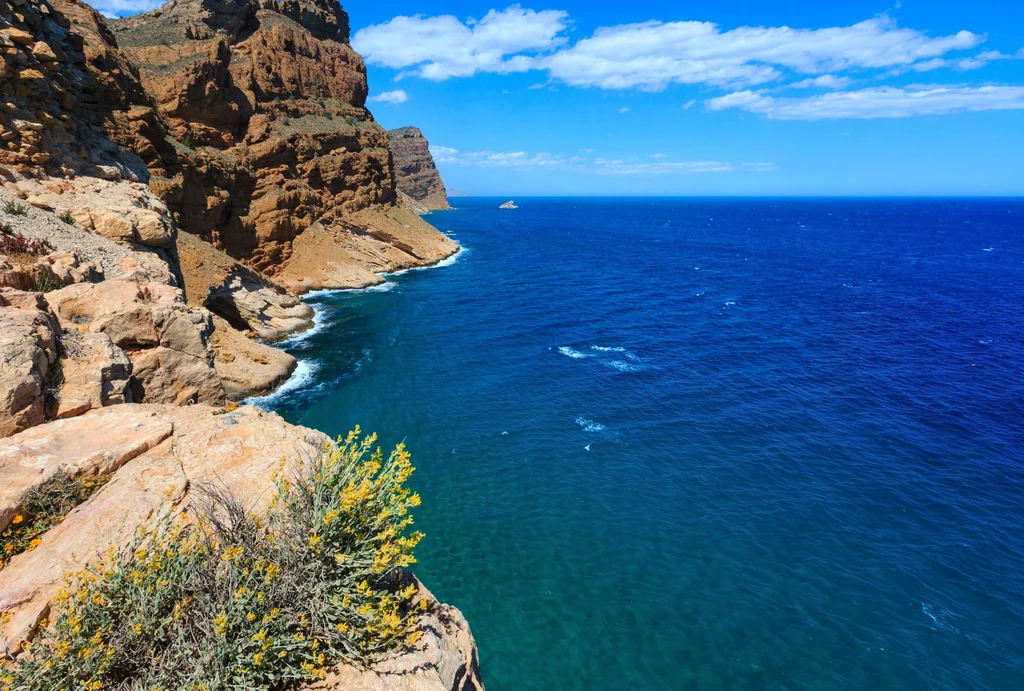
{"x": 416, "y": 176}
{"x": 281, "y": 164}
{"x": 167, "y": 186}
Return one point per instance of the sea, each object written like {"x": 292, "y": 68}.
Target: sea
{"x": 670, "y": 444}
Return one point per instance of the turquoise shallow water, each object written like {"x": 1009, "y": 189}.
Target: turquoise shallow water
{"x": 707, "y": 444}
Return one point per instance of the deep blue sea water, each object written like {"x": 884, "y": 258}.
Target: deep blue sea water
{"x": 707, "y": 444}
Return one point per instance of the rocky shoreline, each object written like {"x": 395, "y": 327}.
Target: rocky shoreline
{"x": 170, "y": 185}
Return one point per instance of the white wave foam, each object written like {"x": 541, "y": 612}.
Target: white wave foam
{"x": 447, "y": 261}
{"x": 304, "y": 374}
{"x": 575, "y": 354}
{"x": 623, "y": 366}
{"x": 616, "y": 349}
{"x": 589, "y": 425}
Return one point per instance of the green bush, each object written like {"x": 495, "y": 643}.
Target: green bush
{"x": 219, "y": 598}
{"x": 14, "y": 208}
{"x": 68, "y": 218}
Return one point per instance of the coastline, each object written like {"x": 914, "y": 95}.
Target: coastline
{"x": 304, "y": 372}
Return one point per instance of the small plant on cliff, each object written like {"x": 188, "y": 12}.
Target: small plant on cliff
{"x": 43, "y": 507}
{"x": 224, "y": 599}
{"x": 13, "y": 208}
{"x": 188, "y": 142}
{"x": 68, "y": 218}
{"x": 14, "y": 244}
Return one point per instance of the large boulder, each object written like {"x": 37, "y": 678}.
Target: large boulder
{"x": 167, "y": 341}
{"x": 247, "y": 367}
{"x": 28, "y": 351}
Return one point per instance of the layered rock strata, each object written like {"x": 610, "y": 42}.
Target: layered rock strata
{"x": 267, "y": 99}
{"x": 416, "y": 176}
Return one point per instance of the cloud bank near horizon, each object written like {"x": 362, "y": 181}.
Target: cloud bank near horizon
{"x": 746, "y": 61}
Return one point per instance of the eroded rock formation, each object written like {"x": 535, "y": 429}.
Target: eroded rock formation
{"x": 268, "y": 100}
{"x": 416, "y": 176}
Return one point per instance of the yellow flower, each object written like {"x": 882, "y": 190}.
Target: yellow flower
{"x": 18, "y": 519}
{"x": 35, "y": 543}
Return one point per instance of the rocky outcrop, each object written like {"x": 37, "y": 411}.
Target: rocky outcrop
{"x": 245, "y": 299}
{"x": 268, "y": 100}
{"x": 28, "y": 353}
{"x": 415, "y": 173}
{"x": 167, "y": 341}
{"x": 94, "y": 373}
{"x": 247, "y": 367}
{"x": 445, "y": 658}
{"x": 158, "y": 456}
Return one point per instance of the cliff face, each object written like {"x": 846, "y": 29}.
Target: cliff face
{"x": 415, "y": 173}
{"x": 243, "y": 123}
{"x": 267, "y": 101}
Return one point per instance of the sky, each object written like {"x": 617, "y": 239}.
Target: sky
{"x": 731, "y": 97}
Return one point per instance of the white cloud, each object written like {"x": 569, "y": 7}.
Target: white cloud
{"x": 878, "y": 102}
{"x": 825, "y": 81}
{"x": 624, "y": 109}
{"x": 654, "y": 54}
{"x": 438, "y": 48}
{"x": 444, "y": 155}
{"x": 393, "y": 97}
{"x": 120, "y": 8}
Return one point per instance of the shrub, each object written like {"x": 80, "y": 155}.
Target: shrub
{"x": 14, "y": 208}
{"x": 67, "y": 218}
{"x": 188, "y": 142}
{"x": 43, "y": 507}
{"x": 14, "y": 243}
{"x": 223, "y": 599}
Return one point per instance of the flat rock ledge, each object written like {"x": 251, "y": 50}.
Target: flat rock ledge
{"x": 158, "y": 454}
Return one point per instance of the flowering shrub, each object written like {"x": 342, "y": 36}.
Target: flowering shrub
{"x": 43, "y": 507}
{"x": 13, "y": 243}
{"x": 219, "y": 598}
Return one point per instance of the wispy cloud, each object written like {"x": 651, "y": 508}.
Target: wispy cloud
{"x": 393, "y": 97}
{"x": 602, "y": 166}
{"x": 879, "y": 102}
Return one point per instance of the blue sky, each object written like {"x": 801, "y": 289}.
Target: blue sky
{"x": 725, "y": 97}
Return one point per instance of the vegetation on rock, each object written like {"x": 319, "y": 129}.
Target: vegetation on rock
{"x": 43, "y": 507}
{"x": 14, "y": 244}
{"x": 219, "y": 598}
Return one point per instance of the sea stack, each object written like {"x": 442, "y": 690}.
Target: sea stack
{"x": 509, "y": 205}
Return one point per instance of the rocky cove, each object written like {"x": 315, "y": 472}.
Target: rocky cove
{"x": 170, "y": 185}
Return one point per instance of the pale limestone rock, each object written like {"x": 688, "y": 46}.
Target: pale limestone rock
{"x": 247, "y": 367}
{"x": 95, "y": 373}
{"x": 161, "y": 452}
{"x": 166, "y": 340}
{"x": 28, "y": 350}
{"x": 444, "y": 659}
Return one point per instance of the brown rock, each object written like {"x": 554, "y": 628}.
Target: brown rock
{"x": 415, "y": 172}
{"x": 19, "y": 36}
{"x": 28, "y": 349}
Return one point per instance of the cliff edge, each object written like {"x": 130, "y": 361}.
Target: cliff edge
{"x": 416, "y": 176}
